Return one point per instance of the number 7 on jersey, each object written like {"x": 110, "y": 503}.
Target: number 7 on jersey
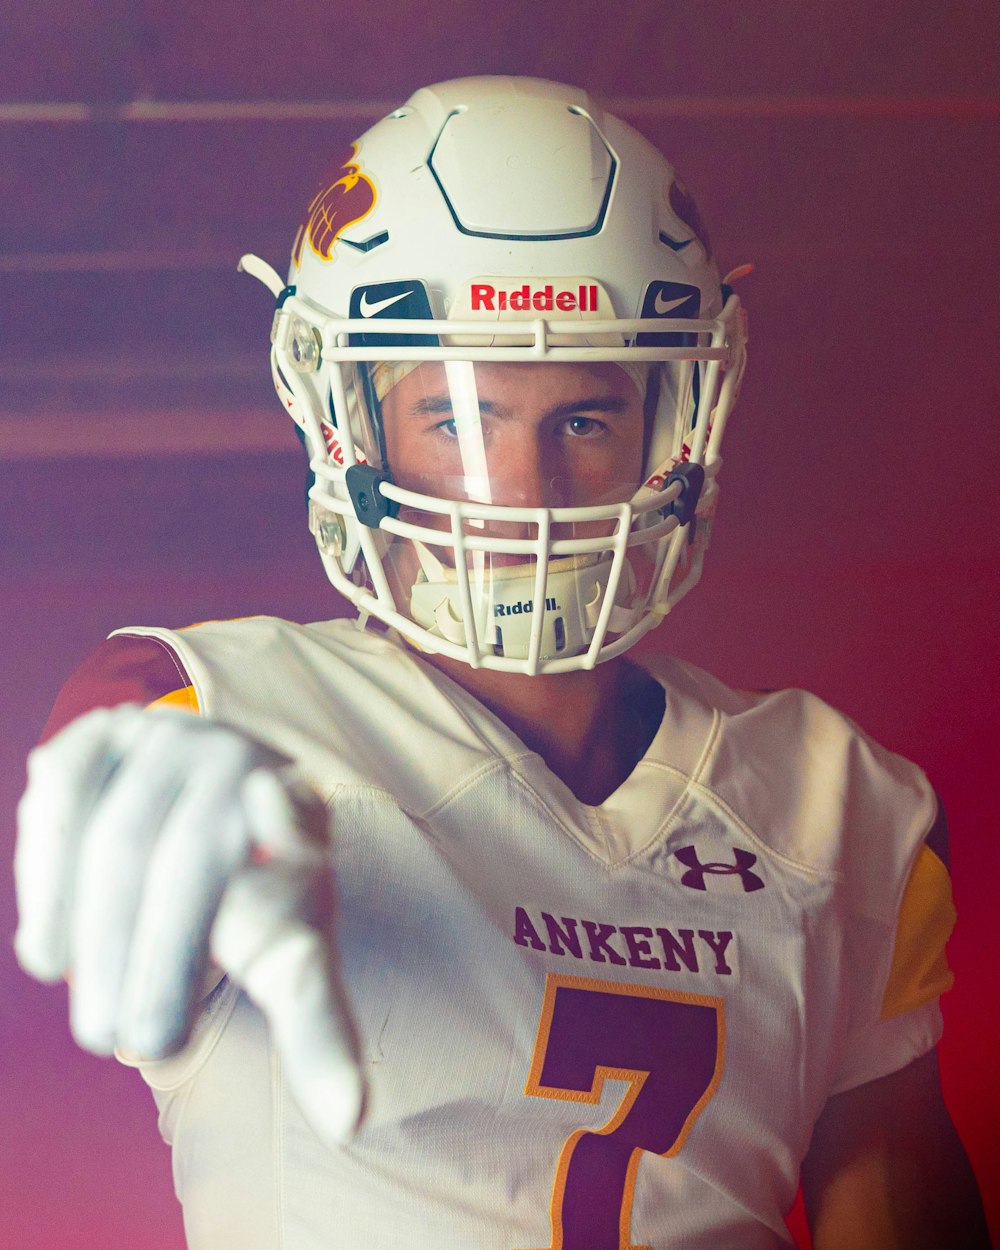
{"x": 668, "y": 1046}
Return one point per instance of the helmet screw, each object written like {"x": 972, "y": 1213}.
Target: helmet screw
{"x": 306, "y": 346}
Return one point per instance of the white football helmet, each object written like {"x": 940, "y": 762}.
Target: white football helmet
{"x": 488, "y": 227}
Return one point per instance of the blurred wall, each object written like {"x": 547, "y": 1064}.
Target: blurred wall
{"x": 147, "y": 475}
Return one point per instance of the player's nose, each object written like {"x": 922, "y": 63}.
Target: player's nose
{"x": 522, "y": 480}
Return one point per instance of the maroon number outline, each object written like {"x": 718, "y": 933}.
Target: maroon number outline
{"x": 676, "y": 1005}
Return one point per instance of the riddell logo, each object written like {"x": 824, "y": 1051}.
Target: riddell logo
{"x": 487, "y": 298}
{"x": 518, "y": 609}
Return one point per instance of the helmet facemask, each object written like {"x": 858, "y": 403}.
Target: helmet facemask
{"x": 468, "y": 557}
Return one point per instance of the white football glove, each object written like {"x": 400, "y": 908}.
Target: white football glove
{"x": 149, "y": 839}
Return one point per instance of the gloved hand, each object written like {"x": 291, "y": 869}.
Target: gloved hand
{"x": 148, "y": 840}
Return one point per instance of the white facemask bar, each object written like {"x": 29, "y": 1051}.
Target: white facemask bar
{"x": 335, "y": 335}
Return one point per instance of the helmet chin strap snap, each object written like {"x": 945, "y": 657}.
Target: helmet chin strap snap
{"x": 371, "y": 507}
{"x": 692, "y": 479}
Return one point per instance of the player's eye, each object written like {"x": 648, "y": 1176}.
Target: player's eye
{"x": 446, "y": 429}
{"x": 583, "y": 427}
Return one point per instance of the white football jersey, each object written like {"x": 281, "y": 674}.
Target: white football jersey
{"x": 590, "y": 1028}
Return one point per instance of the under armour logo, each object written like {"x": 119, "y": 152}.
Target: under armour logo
{"x": 696, "y": 873}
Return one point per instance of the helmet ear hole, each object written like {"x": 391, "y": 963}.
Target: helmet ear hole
{"x": 669, "y": 415}
{"x": 310, "y": 475}
{"x": 695, "y": 394}
{"x": 649, "y": 410}
{"x": 374, "y": 405}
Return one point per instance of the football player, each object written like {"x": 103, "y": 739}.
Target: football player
{"x": 463, "y": 928}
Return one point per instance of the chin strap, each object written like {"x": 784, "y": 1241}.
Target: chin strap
{"x": 503, "y": 603}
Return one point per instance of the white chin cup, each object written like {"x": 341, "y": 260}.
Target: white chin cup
{"x": 503, "y": 604}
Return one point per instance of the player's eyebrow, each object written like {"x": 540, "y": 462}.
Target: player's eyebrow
{"x": 610, "y": 404}
{"x": 437, "y": 405}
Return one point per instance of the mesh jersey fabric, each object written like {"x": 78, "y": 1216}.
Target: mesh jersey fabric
{"x": 694, "y": 966}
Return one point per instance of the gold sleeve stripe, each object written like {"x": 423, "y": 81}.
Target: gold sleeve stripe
{"x": 185, "y": 698}
{"x": 920, "y": 969}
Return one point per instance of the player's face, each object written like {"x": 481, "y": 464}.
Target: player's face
{"x": 509, "y": 436}
{"x": 527, "y": 435}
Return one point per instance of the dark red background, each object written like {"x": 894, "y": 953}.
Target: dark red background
{"x": 850, "y": 151}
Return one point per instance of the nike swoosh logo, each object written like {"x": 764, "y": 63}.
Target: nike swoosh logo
{"x": 664, "y": 306}
{"x": 372, "y": 310}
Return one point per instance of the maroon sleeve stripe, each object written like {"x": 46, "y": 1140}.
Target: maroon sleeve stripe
{"x": 123, "y": 669}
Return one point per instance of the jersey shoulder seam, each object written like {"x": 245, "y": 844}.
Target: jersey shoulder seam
{"x": 182, "y": 673}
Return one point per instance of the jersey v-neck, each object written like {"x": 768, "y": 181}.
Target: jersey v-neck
{"x": 632, "y": 817}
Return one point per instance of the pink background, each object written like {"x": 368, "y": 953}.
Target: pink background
{"x": 147, "y": 475}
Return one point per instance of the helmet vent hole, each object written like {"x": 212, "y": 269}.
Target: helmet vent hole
{"x": 367, "y": 245}
{"x": 560, "y": 634}
{"x": 675, "y": 245}
{"x": 498, "y": 645}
